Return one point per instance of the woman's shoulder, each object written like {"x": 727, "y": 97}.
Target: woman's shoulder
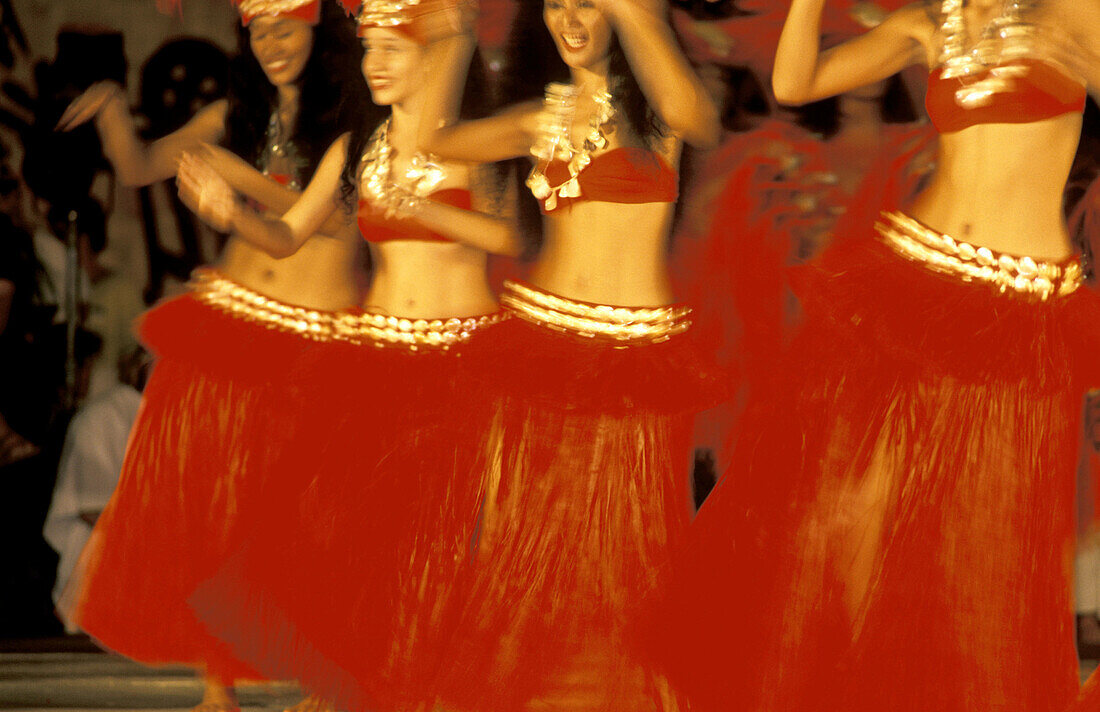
{"x": 1081, "y": 9}
{"x": 1079, "y": 18}
{"x": 1066, "y": 34}
{"x": 214, "y": 113}
{"x": 920, "y": 20}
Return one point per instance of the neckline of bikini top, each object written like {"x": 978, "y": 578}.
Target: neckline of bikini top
{"x": 621, "y": 150}
{"x": 280, "y": 155}
{"x": 1005, "y": 31}
{"x": 423, "y": 175}
{"x": 555, "y": 141}
{"x": 375, "y": 226}
{"x": 625, "y": 174}
{"x": 1007, "y": 41}
{"x": 365, "y": 202}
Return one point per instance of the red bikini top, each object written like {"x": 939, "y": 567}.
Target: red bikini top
{"x": 376, "y": 227}
{"x": 621, "y": 175}
{"x": 1041, "y": 92}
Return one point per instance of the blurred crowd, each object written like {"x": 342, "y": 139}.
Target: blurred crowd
{"x": 80, "y": 259}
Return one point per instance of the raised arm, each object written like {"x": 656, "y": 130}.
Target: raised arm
{"x": 1079, "y": 19}
{"x": 211, "y": 197}
{"x": 669, "y": 83}
{"x": 804, "y": 74}
{"x": 135, "y": 162}
{"x": 251, "y": 183}
{"x": 508, "y": 134}
{"x": 476, "y": 229}
{"x": 248, "y": 180}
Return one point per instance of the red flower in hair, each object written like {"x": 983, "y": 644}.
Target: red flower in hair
{"x": 350, "y": 6}
{"x": 307, "y": 10}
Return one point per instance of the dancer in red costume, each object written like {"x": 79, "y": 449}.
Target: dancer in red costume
{"x": 375, "y": 506}
{"x": 896, "y": 530}
{"x": 864, "y": 133}
{"x": 202, "y": 444}
{"x": 586, "y": 463}
{"x": 771, "y": 197}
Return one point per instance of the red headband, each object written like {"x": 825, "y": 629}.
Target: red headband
{"x": 398, "y": 15}
{"x": 305, "y": 10}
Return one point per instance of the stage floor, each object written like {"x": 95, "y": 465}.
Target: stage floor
{"x": 84, "y": 681}
{"x": 68, "y": 680}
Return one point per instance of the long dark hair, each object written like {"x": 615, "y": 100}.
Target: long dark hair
{"x": 477, "y": 103}
{"x": 329, "y": 85}
{"x": 823, "y": 117}
{"x": 533, "y": 62}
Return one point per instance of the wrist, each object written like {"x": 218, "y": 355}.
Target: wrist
{"x": 235, "y": 214}
{"x": 114, "y": 101}
{"x": 115, "y": 91}
{"x": 410, "y": 205}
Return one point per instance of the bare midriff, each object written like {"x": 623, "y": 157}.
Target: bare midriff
{"x": 607, "y": 253}
{"x": 1000, "y": 186}
{"x": 428, "y": 280}
{"x": 321, "y": 275}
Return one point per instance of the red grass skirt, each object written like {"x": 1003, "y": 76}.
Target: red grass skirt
{"x": 215, "y": 414}
{"x": 343, "y": 582}
{"x": 896, "y": 530}
{"x": 586, "y": 467}
{"x": 748, "y": 224}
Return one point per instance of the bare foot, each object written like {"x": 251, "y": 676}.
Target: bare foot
{"x": 217, "y": 697}
{"x": 313, "y": 703}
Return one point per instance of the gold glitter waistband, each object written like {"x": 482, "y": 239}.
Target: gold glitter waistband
{"x": 212, "y": 288}
{"x": 379, "y": 330}
{"x": 1027, "y": 276}
{"x": 625, "y": 326}
{"x": 350, "y": 325}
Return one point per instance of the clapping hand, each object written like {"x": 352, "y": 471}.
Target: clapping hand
{"x": 206, "y": 193}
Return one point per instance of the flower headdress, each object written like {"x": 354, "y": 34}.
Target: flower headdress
{"x": 393, "y": 14}
{"x": 307, "y": 10}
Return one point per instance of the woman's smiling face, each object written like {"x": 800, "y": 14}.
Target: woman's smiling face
{"x": 282, "y": 46}
{"x": 580, "y": 31}
{"x": 391, "y": 65}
